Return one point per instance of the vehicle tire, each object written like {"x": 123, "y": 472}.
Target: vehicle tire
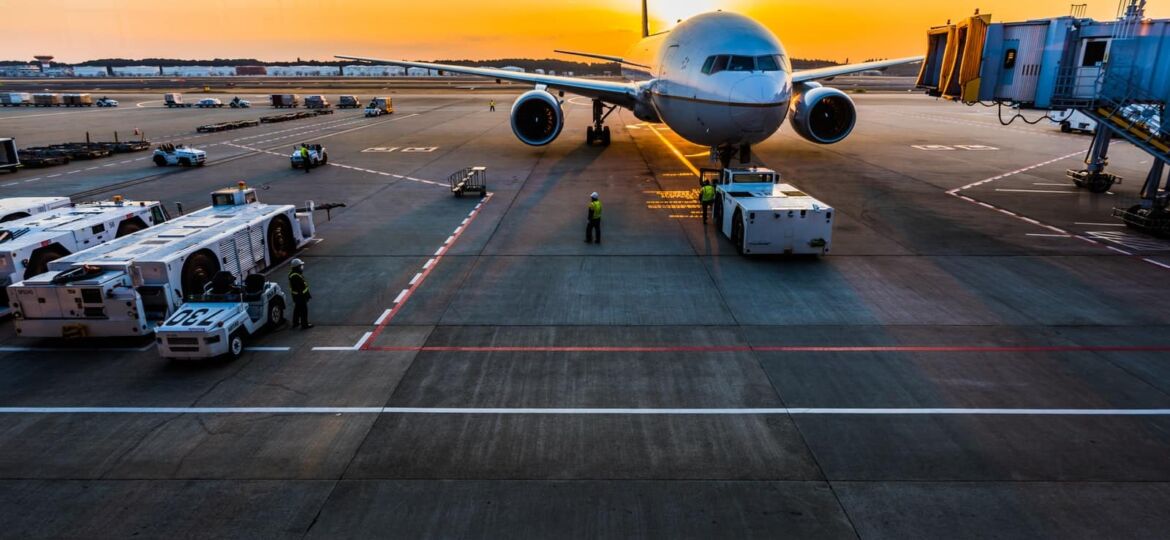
{"x": 1065, "y": 127}
{"x": 197, "y": 271}
{"x": 13, "y": 216}
{"x": 160, "y": 161}
{"x": 281, "y": 244}
{"x": 717, "y": 213}
{"x": 130, "y": 226}
{"x": 200, "y": 163}
{"x": 184, "y": 162}
{"x": 1100, "y": 184}
{"x": 589, "y": 136}
{"x": 737, "y": 231}
{"x": 276, "y": 313}
{"x": 235, "y": 345}
{"x": 324, "y": 158}
{"x": 38, "y": 262}
{"x": 605, "y": 136}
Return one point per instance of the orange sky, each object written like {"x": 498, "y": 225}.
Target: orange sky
{"x": 316, "y": 29}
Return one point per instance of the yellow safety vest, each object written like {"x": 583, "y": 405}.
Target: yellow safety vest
{"x": 707, "y": 193}
{"x": 595, "y": 210}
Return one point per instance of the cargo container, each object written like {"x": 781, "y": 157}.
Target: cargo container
{"x": 282, "y": 101}
{"x": 47, "y": 100}
{"x": 15, "y": 99}
{"x": 174, "y": 100}
{"x": 349, "y": 102}
{"x": 77, "y": 100}
{"x": 316, "y": 102}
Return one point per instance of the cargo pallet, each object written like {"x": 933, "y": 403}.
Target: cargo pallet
{"x": 225, "y": 126}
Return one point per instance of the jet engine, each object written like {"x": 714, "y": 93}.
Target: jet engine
{"x": 821, "y": 115}
{"x": 537, "y": 118}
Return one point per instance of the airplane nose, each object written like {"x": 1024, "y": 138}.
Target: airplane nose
{"x": 757, "y": 104}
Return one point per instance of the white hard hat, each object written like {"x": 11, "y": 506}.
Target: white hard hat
{"x": 297, "y": 262}
{"x": 594, "y": 195}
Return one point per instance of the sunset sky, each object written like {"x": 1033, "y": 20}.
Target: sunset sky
{"x": 317, "y": 29}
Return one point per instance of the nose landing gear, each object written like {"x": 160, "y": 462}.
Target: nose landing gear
{"x": 599, "y": 131}
{"x": 725, "y": 154}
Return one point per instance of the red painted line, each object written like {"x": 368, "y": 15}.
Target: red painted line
{"x": 418, "y": 281}
{"x": 787, "y": 348}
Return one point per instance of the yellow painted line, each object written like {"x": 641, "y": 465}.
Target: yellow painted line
{"x": 674, "y": 149}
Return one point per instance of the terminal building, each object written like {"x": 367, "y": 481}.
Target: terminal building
{"x": 1115, "y": 72}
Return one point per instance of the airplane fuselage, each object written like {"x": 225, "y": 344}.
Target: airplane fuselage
{"x": 715, "y": 79}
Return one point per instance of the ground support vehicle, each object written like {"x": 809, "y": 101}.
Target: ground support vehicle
{"x": 13, "y": 208}
{"x": 47, "y": 100}
{"x": 317, "y": 101}
{"x": 106, "y": 102}
{"x": 15, "y": 99}
{"x": 763, "y": 216}
{"x": 217, "y": 322}
{"x": 125, "y": 147}
{"x": 379, "y": 106}
{"x": 318, "y": 156}
{"x": 128, "y": 286}
{"x": 28, "y": 245}
{"x": 348, "y": 102}
{"x": 170, "y": 154}
{"x": 319, "y": 112}
{"x": 285, "y": 101}
{"x": 9, "y": 156}
{"x": 237, "y": 103}
{"x": 209, "y": 103}
{"x": 77, "y": 100}
{"x": 470, "y": 179}
{"x": 175, "y": 101}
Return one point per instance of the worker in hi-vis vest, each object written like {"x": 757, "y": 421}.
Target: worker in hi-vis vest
{"x": 594, "y": 223}
{"x": 300, "y": 294}
{"x": 305, "y": 158}
{"x": 706, "y": 198}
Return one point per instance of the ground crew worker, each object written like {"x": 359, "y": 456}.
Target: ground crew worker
{"x": 706, "y": 198}
{"x": 594, "y": 223}
{"x": 305, "y": 158}
{"x": 300, "y": 294}
{"x": 492, "y": 106}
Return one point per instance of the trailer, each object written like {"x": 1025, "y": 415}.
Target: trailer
{"x": 174, "y": 100}
{"x": 28, "y": 245}
{"x": 15, "y": 99}
{"x": 763, "y": 216}
{"x": 317, "y": 101}
{"x": 9, "y": 157}
{"x": 13, "y": 208}
{"x": 285, "y": 101}
{"x": 46, "y": 100}
{"x": 77, "y": 100}
{"x": 128, "y": 286}
{"x": 42, "y": 157}
{"x": 348, "y": 102}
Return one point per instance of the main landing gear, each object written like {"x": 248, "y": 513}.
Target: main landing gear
{"x": 599, "y": 132}
{"x": 725, "y": 154}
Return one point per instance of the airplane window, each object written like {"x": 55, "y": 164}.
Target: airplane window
{"x": 768, "y": 63}
{"x": 741, "y": 63}
{"x": 717, "y": 63}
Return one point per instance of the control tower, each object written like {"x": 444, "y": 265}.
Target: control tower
{"x": 43, "y": 60}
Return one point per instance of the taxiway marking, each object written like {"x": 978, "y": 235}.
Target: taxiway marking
{"x": 674, "y": 149}
{"x": 833, "y": 411}
{"x": 782, "y": 348}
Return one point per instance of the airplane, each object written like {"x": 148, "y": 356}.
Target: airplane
{"x": 717, "y": 79}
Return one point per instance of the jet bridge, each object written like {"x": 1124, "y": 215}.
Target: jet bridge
{"x": 1116, "y": 72}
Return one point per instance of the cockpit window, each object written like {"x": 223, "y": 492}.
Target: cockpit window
{"x": 741, "y": 63}
{"x": 768, "y": 62}
{"x": 715, "y": 64}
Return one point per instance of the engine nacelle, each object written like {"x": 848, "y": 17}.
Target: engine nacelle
{"x": 537, "y": 118}
{"x": 821, "y": 115}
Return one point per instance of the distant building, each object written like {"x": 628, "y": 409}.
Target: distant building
{"x": 251, "y": 71}
{"x": 90, "y": 71}
{"x": 365, "y": 70}
{"x": 135, "y": 71}
{"x": 538, "y": 71}
{"x": 198, "y": 71}
{"x": 304, "y": 71}
{"x": 421, "y": 72}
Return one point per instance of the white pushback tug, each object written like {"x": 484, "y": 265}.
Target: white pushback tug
{"x": 763, "y": 216}
{"x": 216, "y": 322}
{"x": 128, "y": 286}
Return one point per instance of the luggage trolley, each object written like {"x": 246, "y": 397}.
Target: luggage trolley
{"x": 469, "y": 179}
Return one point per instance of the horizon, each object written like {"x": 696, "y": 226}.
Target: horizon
{"x": 100, "y": 29}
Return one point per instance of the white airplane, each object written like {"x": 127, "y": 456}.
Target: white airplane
{"x": 717, "y": 79}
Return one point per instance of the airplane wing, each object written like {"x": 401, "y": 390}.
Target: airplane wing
{"x": 805, "y": 75}
{"x": 618, "y": 93}
{"x": 605, "y": 57}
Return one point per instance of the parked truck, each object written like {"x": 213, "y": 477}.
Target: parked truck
{"x": 285, "y": 101}
{"x": 379, "y": 106}
{"x": 9, "y": 156}
{"x": 28, "y": 245}
{"x": 174, "y": 100}
{"x": 216, "y": 322}
{"x": 348, "y": 102}
{"x": 128, "y": 286}
{"x": 317, "y": 101}
{"x": 761, "y": 215}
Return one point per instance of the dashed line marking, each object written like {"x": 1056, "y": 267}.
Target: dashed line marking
{"x": 428, "y": 264}
{"x": 401, "y": 295}
{"x": 498, "y": 411}
{"x": 382, "y": 318}
{"x": 414, "y": 280}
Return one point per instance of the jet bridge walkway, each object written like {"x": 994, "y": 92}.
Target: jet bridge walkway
{"x": 1116, "y": 72}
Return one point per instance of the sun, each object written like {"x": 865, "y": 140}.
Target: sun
{"x": 669, "y": 12}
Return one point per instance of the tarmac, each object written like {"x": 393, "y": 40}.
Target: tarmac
{"x": 982, "y": 354}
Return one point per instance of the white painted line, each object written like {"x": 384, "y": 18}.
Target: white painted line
{"x": 429, "y": 263}
{"x": 401, "y": 294}
{"x": 440, "y": 250}
{"x": 1121, "y": 251}
{"x": 333, "y": 348}
{"x": 11, "y": 184}
{"x": 1099, "y": 224}
{"x": 449, "y": 239}
{"x": 1034, "y": 191}
{"x": 267, "y": 349}
{"x": 53, "y": 175}
{"x": 1060, "y": 184}
{"x": 382, "y": 318}
{"x": 1163, "y": 265}
{"x": 363, "y": 340}
{"x": 1050, "y": 235}
{"x": 594, "y": 411}
{"x": 465, "y": 220}
{"x": 414, "y": 280}
{"x": 31, "y": 180}
{"x": 458, "y": 229}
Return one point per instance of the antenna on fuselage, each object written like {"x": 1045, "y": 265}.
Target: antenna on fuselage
{"x": 645, "y": 20}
